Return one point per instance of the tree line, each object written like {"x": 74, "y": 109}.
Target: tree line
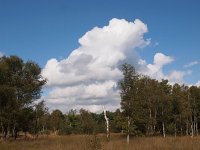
{"x": 153, "y": 107}
{"x": 148, "y": 107}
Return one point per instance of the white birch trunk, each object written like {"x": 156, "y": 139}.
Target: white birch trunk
{"x": 194, "y": 128}
{"x": 181, "y": 131}
{"x": 127, "y": 139}
{"x": 192, "y": 131}
{"x": 107, "y": 125}
{"x": 128, "y": 130}
{"x": 150, "y": 129}
{"x": 163, "y": 125}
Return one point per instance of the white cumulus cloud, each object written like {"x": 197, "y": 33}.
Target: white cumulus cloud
{"x": 155, "y": 70}
{"x": 88, "y": 76}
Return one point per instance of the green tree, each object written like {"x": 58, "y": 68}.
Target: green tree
{"x": 128, "y": 93}
{"x": 148, "y": 104}
{"x": 118, "y": 124}
{"x": 41, "y": 117}
{"x": 74, "y": 122}
{"x": 179, "y": 109}
{"x": 194, "y": 98}
{"x": 57, "y": 119}
{"x": 164, "y": 104}
{"x": 23, "y": 82}
{"x": 87, "y": 122}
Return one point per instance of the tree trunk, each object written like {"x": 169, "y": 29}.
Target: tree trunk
{"x": 2, "y": 130}
{"x": 13, "y": 130}
{"x": 192, "y": 131}
{"x": 15, "y": 135}
{"x": 187, "y": 128}
{"x": 181, "y": 131}
{"x": 154, "y": 123}
{"x": 128, "y": 130}
{"x": 197, "y": 129}
{"x": 127, "y": 139}
{"x": 43, "y": 129}
{"x": 154, "y": 129}
{"x": 147, "y": 132}
{"x": 194, "y": 128}
{"x": 5, "y": 133}
{"x": 150, "y": 122}
{"x": 8, "y": 132}
{"x": 163, "y": 126}
{"x": 175, "y": 130}
{"x": 107, "y": 126}
{"x": 181, "y": 124}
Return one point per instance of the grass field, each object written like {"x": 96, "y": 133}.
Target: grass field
{"x": 117, "y": 142}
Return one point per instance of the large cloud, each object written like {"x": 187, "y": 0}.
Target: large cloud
{"x": 88, "y": 77}
{"x": 100, "y": 52}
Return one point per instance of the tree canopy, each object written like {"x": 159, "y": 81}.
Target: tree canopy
{"x": 148, "y": 106}
{"x": 20, "y": 85}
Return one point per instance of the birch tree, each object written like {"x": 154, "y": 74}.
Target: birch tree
{"x": 165, "y": 91}
{"x": 25, "y": 80}
{"x": 107, "y": 125}
{"x": 128, "y": 87}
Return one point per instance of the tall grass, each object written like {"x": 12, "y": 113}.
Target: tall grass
{"x": 117, "y": 142}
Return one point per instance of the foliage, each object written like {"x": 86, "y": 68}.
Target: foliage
{"x": 148, "y": 106}
{"x": 20, "y": 85}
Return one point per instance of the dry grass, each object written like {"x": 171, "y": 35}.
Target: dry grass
{"x": 82, "y": 142}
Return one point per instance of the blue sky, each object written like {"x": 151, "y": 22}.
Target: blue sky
{"x": 43, "y": 29}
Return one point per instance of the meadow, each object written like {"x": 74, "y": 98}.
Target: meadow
{"x": 117, "y": 142}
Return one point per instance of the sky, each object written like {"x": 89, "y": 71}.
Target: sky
{"x": 81, "y": 44}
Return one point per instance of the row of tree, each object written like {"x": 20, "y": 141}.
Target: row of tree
{"x": 152, "y": 107}
{"x": 148, "y": 107}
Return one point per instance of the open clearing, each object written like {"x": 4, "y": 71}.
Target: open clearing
{"x": 117, "y": 142}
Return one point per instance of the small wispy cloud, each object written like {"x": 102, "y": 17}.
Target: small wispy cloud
{"x": 191, "y": 64}
{"x": 177, "y": 76}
